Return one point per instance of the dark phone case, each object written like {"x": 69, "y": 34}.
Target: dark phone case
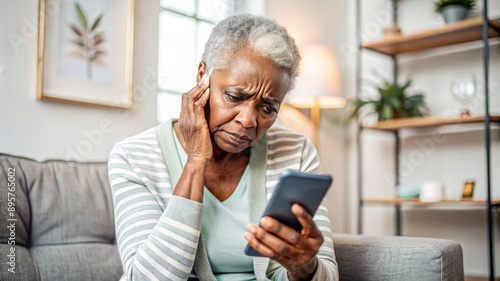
{"x": 305, "y": 189}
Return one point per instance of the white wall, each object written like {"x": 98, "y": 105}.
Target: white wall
{"x": 452, "y": 157}
{"x": 43, "y": 129}
{"x": 322, "y": 22}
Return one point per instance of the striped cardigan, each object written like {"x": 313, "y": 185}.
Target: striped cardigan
{"x": 159, "y": 235}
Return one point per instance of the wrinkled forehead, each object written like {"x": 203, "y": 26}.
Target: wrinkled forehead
{"x": 247, "y": 67}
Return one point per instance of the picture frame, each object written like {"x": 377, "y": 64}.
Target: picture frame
{"x": 468, "y": 189}
{"x": 85, "y": 52}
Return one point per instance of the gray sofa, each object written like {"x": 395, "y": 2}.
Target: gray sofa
{"x": 63, "y": 219}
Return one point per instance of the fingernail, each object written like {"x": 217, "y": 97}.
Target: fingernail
{"x": 247, "y": 236}
{"x": 202, "y": 80}
{"x": 205, "y": 78}
{"x": 297, "y": 208}
{"x": 251, "y": 228}
{"x": 265, "y": 222}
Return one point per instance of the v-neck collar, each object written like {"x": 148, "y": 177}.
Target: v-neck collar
{"x": 257, "y": 165}
{"x": 237, "y": 192}
{"x": 256, "y": 181}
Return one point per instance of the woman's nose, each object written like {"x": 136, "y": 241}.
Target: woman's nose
{"x": 247, "y": 117}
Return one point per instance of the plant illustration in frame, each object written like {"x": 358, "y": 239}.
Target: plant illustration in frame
{"x": 88, "y": 40}
{"x": 85, "y": 52}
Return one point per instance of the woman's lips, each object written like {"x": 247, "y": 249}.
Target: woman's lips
{"x": 235, "y": 138}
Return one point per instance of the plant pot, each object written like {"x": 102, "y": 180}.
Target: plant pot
{"x": 397, "y": 113}
{"x": 453, "y": 13}
{"x": 392, "y": 31}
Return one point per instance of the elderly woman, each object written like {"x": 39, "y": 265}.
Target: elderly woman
{"x": 188, "y": 194}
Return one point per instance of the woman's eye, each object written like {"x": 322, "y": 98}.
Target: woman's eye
{"x": 269, "y": 109}
{"x": 232, "y": 98}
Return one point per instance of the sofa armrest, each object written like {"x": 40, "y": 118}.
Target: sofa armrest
{"x": 397, "y": 258}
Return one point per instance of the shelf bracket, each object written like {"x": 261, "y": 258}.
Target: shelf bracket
{"x": 494, "y": 27}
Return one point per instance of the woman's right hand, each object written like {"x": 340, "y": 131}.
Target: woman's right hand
{"x": 193, "y": 124}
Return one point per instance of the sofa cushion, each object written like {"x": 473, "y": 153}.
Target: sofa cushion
{"x": 64, "y": 226}
{"x": 69, "y": 202}
{"x": 79, "y": 208}
{"x": 89, "y": 261}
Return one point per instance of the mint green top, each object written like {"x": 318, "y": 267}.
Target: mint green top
{"x": 146, "y": 168}
{"x": 223, "y": 226}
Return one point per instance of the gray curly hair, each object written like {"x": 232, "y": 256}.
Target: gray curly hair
{"x": 261, "y": 34}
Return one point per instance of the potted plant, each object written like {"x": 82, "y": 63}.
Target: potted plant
{"x": 394, "y": 102}
{"x": 454, "y": 10}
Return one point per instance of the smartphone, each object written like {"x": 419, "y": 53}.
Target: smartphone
{"x": 308, "y": 190}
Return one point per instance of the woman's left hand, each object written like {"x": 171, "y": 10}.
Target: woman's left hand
{"x": 293, "y": 250}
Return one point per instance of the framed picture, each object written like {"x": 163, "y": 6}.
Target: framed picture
{"x": 468, "y": 189}
{"x": 85, "y": 52}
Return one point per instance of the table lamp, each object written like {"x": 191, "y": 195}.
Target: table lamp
{"x": 318, "y": 85}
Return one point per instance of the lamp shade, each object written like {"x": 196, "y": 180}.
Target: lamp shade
{"x": 319, "y": 82}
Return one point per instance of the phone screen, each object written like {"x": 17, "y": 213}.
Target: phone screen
{"x": 308, "y": 190}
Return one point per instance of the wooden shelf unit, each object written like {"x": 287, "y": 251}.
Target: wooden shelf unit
{"x": 460, "y": 32}
{"x": 416, "y": 202}
{"x": 421, "y": 122}
{"x": 469, "y": 30}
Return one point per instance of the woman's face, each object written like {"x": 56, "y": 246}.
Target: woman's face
{"x": 245, "y": 100}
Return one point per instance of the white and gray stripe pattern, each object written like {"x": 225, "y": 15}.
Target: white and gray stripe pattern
{"x": 157, "y": 233}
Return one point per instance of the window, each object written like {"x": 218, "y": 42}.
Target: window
{"x": 184, "y": 27}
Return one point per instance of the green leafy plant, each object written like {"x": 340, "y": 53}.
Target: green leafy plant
{"x": 88, "y": 39}
{"x": 443, "y": 3}
{"x": 394, "y": 102}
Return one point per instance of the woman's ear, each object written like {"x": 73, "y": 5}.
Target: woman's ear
{"x": 202, "y": 69}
